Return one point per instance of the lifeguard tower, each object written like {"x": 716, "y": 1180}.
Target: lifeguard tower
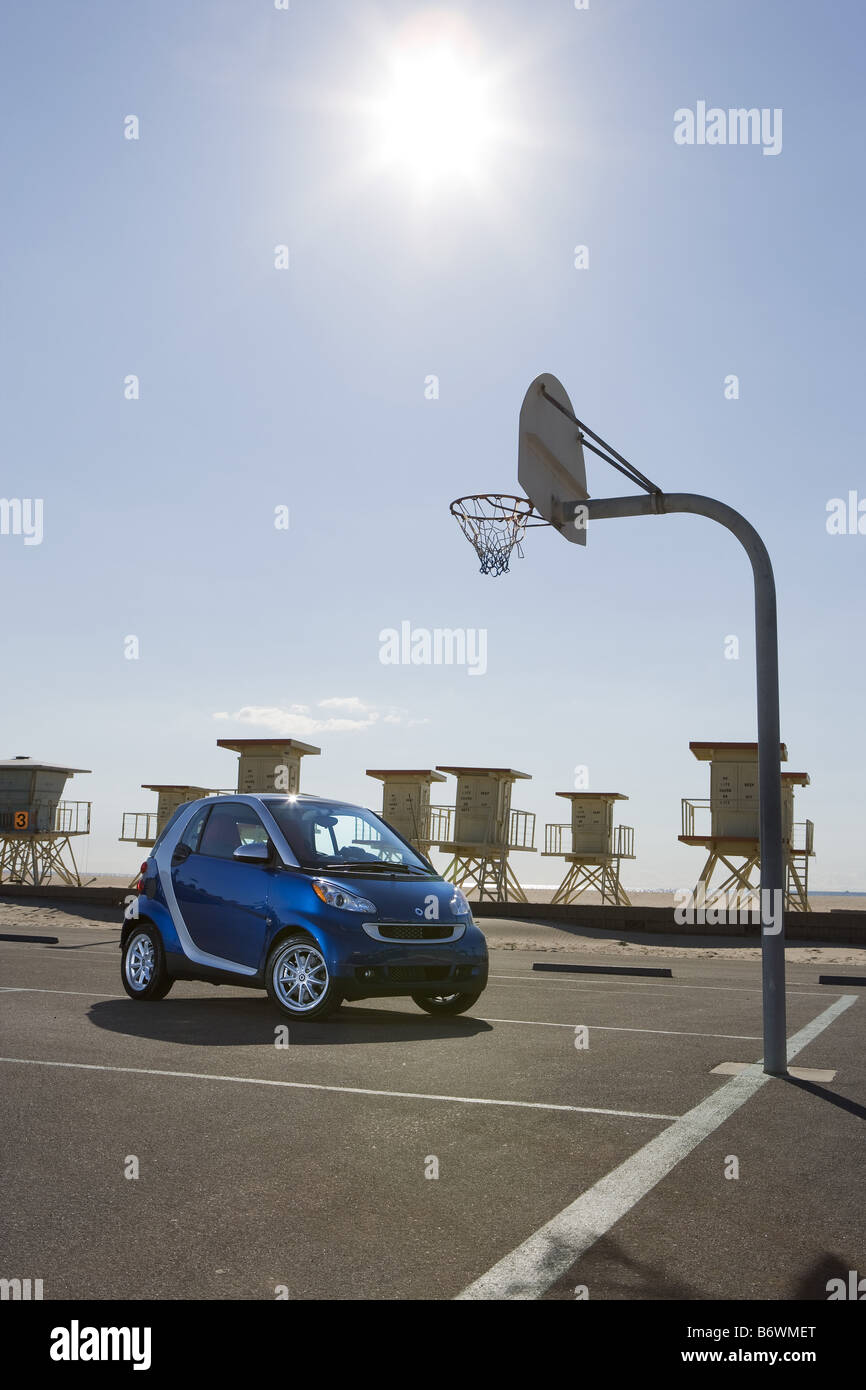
{"x": 268, "y": 764}
{"x": 406, "y": 802}
{"x": 36, "y": 825}
{"x": 592, "y": 846}
{"x": 144, "y": 827}
{"x": 481, "y": 829}
{"x": 731, "y": 838}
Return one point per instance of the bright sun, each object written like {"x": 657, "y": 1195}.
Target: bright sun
{"x": 435, "y": 119}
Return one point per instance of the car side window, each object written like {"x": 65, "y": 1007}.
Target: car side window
{"x": 231, "y": 826}
{"x": 190, "y": 836}
{"x": 251, "y": 830}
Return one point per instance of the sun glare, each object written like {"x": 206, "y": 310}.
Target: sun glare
{"x": 435, "y": 120}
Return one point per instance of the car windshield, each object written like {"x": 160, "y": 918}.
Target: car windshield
{"x": 326, "y": 835}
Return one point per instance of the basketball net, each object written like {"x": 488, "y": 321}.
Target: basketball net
{"x": 495, "y": 525}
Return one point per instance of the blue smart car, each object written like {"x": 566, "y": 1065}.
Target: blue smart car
{"x": 315, "y": 901}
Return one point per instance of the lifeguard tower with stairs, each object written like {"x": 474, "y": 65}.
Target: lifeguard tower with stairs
{"x": 731, "y": 838}
{"x": 37, "y": 826}
{"x": 592, "y": 846}
{"x": 481, "y": 829}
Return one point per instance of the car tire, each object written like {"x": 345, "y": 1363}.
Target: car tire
{"x": 298, "y": 980}
{"x": 444, "y": 1005}
{"x": 142, "y": 968}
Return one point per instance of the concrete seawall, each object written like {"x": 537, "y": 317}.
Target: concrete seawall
{"x": 842, "y": 927}
{"x": 50, "y": 893}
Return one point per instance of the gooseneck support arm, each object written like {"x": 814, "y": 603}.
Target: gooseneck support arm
{"x": 769, "y": 738}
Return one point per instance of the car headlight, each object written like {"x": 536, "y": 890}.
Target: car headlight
{"x": 336, "y": 896}
{"x": 459, "y": 904}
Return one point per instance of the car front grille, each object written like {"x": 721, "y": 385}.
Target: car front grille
{"x": 415, "y": 931}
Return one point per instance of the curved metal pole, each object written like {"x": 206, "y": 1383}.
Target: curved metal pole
{"x": 769, "y": 740}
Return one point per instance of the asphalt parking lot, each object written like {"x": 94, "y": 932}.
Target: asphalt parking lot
{"x": 303, "y": 1168}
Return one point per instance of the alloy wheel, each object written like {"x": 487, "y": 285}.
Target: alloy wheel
{"x": 300, "y": 978}
{"x": 140, "y": 961}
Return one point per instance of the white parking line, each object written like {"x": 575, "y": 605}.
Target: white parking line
{"x": 610, "y": 1028}
{"x": 531, "y": 1269}
{"x": 342, "y": 1090}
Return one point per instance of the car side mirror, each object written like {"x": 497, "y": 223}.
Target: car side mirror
{"x": 255, "y": 853}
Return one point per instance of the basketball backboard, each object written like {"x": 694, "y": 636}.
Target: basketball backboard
{"x": 550, "y": 463}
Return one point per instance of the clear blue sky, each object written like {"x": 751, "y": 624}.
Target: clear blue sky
{"x": 306, "y": 388}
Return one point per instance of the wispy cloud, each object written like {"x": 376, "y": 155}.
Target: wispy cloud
{"x": 297, "y": 721}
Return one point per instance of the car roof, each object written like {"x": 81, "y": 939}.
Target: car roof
{"x": 268, "y": 797}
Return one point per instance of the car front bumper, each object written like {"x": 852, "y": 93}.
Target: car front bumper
{"x": 372, "y": 969}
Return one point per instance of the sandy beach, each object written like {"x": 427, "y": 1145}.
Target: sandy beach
{"x": 820, "y": 902}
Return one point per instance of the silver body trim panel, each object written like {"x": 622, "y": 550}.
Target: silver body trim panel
{"x": 162, "y": 858}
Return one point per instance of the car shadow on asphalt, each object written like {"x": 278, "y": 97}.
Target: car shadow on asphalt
{"x": 610, "y": 1272}
{"x": 814, "y": 1284}
{"x": 253, "y": 1023}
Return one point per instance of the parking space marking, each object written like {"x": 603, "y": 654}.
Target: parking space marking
{"x": 611, "y": 1028}
{"x": 342, "y": 1090}
{"x": 530, "y": 1270}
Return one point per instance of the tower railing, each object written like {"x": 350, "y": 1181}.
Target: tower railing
{"x": 139, "y": 825}
{"x": 623, "y": 842}
{"x": 692, "y": 806}
{"x": 47, "y": 818}
{"x": 441, "y": 823}
{"x": 557, "y": 840}
{"x": 554, "y": 834}
{"x": 72, "y": 818}
{"x": 521, "y": 828}
{"x": 695, "y": 811}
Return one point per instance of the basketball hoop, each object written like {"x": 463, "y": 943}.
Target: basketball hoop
{"x": 495, "y": 525}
